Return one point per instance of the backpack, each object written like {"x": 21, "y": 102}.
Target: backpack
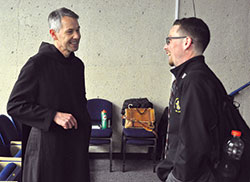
{"x": 231, "y": 119}
{"x": 136, "y": 103}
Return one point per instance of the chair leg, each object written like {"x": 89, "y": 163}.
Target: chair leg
{"x": 122, "y": 144}
{"x": 123, "y": 153}
{"x": 154, "y": 156}
{"x": 110, "y": 155}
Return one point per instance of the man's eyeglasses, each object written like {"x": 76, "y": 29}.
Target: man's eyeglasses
{"x": 170, "y": 38}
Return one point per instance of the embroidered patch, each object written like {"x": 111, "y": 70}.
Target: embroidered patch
{"x": 177, "y": 107}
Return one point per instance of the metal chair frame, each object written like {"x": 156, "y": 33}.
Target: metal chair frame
{"x": 124, "y": 143}
{"x": 110, "y": 149}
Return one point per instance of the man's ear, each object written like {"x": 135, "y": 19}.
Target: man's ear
{"x": 53, "y": 34}
{"x": 188, "y": 42}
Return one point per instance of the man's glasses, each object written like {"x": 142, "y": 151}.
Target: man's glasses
{"x": 170, "y": 38}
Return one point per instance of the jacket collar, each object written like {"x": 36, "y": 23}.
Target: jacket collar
{"x": 179, "y": 70}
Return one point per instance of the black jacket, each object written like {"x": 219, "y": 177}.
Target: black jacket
{"x": 193, "y": 114}
{"x": 48, "y": 83}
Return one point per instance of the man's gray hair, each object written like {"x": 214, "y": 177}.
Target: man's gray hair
{"x": 55, "y": 18}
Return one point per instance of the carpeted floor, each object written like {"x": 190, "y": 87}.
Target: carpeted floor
{"x": 136, "y": 171}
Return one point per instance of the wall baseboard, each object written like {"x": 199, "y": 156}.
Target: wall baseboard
{"x": 133, "y": 156}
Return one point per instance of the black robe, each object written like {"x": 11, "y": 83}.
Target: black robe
{"x": 48, "y": 83}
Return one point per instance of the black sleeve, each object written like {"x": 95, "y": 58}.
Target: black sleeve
{"x": 22, "y": 104}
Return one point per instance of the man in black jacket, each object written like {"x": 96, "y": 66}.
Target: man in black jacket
{"x": 49, "y": 99}
{"x": 193, "y": 106}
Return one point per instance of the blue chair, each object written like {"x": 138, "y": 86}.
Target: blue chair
{"x": 137, "y": 137}
{"x": 18, "y": 127}
{"x": 6, "y": 171}
{"x": 101, "y": 136}
{"x": 16, "y": 174}
{"x": 8, "y": 133}
{"x": 162, "y": 133}
{"x": 19, "y": 153}
{"x": 11, "y": 172}
{"x": 8, "y": 130}
{"x": 4, "y": 149}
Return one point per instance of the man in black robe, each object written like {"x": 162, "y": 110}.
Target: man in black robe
{"x": 49, "y": 98}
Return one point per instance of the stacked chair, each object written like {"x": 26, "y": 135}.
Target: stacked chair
{"x": 10, "y": 150}
{"x": 101, "y": 136}
{"x": 162, "y": 134}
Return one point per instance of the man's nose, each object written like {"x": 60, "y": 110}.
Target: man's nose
{"x": 77, "y": 35}
{"x": 165, "y": 47}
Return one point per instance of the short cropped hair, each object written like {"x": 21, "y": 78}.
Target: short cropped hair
{"x": 197, "y": 29}
{"x": 55, "y": 18}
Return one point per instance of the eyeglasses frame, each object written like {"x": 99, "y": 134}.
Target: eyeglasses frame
{"x": 170, "y": 38}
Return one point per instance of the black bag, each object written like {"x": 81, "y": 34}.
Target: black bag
{"x": 136, "y": 103}
{"x": 231, "y": 119}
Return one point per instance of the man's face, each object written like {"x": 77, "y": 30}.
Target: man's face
{"x": 174, "y": 48}
{"x": 68, "y": 38}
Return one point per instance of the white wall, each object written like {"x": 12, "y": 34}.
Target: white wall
{"x": 122, "y": 46}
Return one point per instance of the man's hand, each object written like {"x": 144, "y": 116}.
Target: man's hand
{"x": 67, "y": 121}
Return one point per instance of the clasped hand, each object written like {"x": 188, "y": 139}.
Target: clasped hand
{"x": 66, "y": 120}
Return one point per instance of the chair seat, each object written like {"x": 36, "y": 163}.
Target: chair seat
{"x": 140, "y": 142}
{"x": 101, "y": 133}
{"x": 99, "y": 142}
{"x": 138, "y": 133}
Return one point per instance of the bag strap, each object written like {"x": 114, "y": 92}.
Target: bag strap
{"x": 147, "y": 128}
{"x": 141, "y": 113}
